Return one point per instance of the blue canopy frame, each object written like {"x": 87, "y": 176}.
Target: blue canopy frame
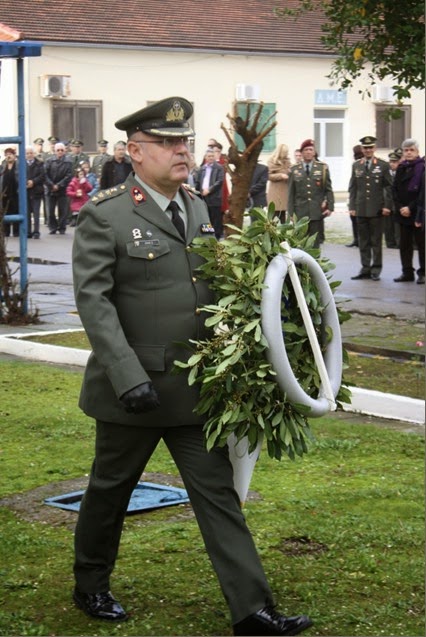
{"x": 20, "y": 50}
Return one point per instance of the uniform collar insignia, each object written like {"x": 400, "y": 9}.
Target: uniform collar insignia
{"x": 137, "y": 195}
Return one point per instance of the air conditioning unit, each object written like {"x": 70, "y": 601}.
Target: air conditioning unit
{"x": 247, "y": 93}
{"x": 55, "y": 85}
{"x": 383, "y": 93}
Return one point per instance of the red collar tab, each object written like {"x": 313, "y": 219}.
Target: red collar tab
{"x": 137, "y": 195}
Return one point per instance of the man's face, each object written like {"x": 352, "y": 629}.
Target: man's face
{"x": 393, "y": 163}
{"x": 59, "y": 152}
{"x": 410, "y": 153}
{"x": 119, "y": 153}
{"x": 102, "y": 150}
{"x": 308, "y": 153}
{"x": 368, "y": 151}
{"x": 209, "y": 158}
{"x": 29, "y": 154}
{"x": 162, "y": 163}
{"x": 75, "y": 150}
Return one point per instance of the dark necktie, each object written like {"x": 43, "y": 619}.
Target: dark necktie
{"x": 367, "y": 166}
{"x": 307, "y": 170}
{"x": 176, "y": 218}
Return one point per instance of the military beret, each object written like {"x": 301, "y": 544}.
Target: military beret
{"x": 53, "y": 139}
{"x": 396, "y": 154}
{"x": 368, "y": 141}
{"x": 38, "y": 140}
{"x": 306, "y": 143}
{"x": 103, "y": 142}
{"x": 166, "y": 118}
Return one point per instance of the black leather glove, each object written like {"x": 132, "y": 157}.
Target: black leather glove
{"x": 140, "y": 399}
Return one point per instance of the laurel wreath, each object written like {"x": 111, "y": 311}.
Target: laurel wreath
{"x": 238, "y": 390}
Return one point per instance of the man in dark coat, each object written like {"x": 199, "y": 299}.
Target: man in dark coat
{"x": 58, "y": 174}
{"x": 139, "y": 298}
{"x": 9, "y": 193}
{"x": 259, "y": 181}
{"x": 35, "y": 192}
{"x": 408, "y": 190}
{"x": 116, "y": 169}
{"x": 209, "y": 183}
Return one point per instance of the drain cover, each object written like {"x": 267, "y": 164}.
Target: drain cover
{"x": 145, "y": 496}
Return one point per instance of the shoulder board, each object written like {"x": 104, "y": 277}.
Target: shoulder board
{"x": 109, "y": 193}
{"x": 190, "y": 190}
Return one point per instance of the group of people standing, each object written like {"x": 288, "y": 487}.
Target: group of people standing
{"x": 60, "y": 181}
{"x": 382, "y": 194}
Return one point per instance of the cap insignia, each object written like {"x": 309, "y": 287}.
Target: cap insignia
{"x": 175, "y": 113}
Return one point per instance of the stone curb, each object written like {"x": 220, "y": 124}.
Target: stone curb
{"x": 364, "y": 401}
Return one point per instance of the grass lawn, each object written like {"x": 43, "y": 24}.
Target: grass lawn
{"x": 341, "y": 532}
{"x": 389, "y": 375}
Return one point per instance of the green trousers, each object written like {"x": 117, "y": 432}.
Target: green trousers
{"x": 122, "y": 453}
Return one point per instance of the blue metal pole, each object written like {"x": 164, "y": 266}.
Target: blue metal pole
{"x": 22, "y": 181}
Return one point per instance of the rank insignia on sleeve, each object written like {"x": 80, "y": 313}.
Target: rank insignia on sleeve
{"x": 138, "y": 196}
{"x": 206, "y": 228}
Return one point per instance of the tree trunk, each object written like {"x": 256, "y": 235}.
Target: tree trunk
{"x": 244, "y": 162}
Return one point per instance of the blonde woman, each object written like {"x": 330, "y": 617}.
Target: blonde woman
{"x": 278, "y": 172}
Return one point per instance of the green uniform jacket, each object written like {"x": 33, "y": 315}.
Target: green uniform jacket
{"x": 310, "y": 196}
{"x": 138, "y": 297}
{"x": 372, "y": 191}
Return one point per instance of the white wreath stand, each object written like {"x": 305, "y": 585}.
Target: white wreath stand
{"x": 329, "y": 366}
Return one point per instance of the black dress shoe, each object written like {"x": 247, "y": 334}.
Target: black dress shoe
{"x": 421, "y": 279}
{"x": 52, "y": 232}
{"x": 268, "y": 622}
{"x": 361, "y": 275}
{"x": 375, "y": 277}
{"x": 352, "y": 245}
{"x": 100, "y": 605}
{"x": 403, "y": 278}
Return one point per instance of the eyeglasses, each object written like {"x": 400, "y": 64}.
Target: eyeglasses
{"x": 166, "y": 142}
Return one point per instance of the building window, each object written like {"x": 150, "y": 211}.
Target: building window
{"x": 391, "y": 133}
{"x": 269, "y": 142}
{"x": 78, "y": 120}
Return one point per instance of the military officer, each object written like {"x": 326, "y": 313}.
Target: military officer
{"x": 370, "y": 197}
{"x": 310, "y": 193}
{"x": 38, "y": 149}
{"x": 100, "y": 158}
{"x": 139, "y": 298}
{"x": 76, "y": 154}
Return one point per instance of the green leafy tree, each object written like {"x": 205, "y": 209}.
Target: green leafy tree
{"x": 384, "y": 36}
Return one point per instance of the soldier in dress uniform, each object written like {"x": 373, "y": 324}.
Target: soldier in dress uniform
{"x": 76, "y": 154}
{"x": 139, "y": 297}
{"x": 52, "y": 139}
{"x": 100, "y": 158}
{"x": 370, "y": 197}
{"x": 391, "y": 226}
{"x": 310, "y": 193}
{"x": 38, "y": 149}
